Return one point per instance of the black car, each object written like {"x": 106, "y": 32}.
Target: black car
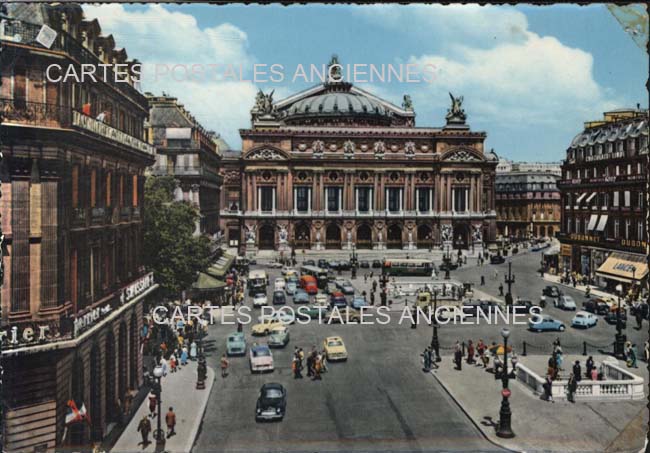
{"x": 333, "y": 264}
{"x": 376, "y": 264}
{"x": 610, "y": 318}
{"x": 596, "y": 305}
{"x": 345, "y": 265}
{"x": 272, "y": 402}
{"x": 279, "y": 298}
{"x": 497, "y": 259}
{"x": 552, "y": 291}
{"x": 309, "y": 263}
{"x": 323, "y": 264}
{"x": 364, "y": 264}
{"x": 523, "y": 306}
{"x": 470, "y": 307}
{"x": 452, "y": 266}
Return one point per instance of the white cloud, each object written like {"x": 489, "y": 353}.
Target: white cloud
{"x": 157, "y": 36}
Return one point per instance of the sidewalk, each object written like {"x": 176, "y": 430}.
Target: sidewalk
{"x": 179, "y": 392}
{"x": 540, "y": 425}
{"x": 555, "y": 279}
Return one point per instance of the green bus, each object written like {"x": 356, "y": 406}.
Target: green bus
{"x": 411, "y": 267}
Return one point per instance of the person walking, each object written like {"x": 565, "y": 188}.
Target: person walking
{"x": 594, "y": 373}
{"x": 480, "y": 348}
{"x": 317, "y": 369}
{"x": 639, "y": 318}
{"x": 482, "y": 280}
{"x": 577, "y": 371}
{"x": 184, "y": 356}
{"x": 572, "y": 386}
{"x": 470, "y": 352}
{"x": 458, "y": 357}
{"x": 323, "y": 362}
{"x": 426, "y": 360}
{"x": 170, "y": 419}
{"x": 590, "y": 366}
{"x": 224, "y": 366}
{"x": 144, "y": 428}
{"x": 295, "y": 368}
{"x": 173, "y": 363}
{"x": 496, "y": 274}
{"x": 153, "y": 402}
{"x": 500, "y": 289}
{"x": 548, "y": 389}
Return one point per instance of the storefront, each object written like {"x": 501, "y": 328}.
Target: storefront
{"x": 626, "y": 268}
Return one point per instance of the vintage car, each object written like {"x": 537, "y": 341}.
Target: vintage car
{"x": 320, "y": 299}
{"x": 292, "y": 287}
{"x": 358, "y": 302}
{"x": 283, "y": 316}
{"x": 279, "y": 298}
{"x": 312, "y": 311}
{"x": 236, "y": 344}
{"x": 261, "y": 358}
{"x": 301, "y": 297}
{"x": 540, "y": 323}
{"x": 280, "y": 283}
{"x": 552, "y": 291}
{"x": 345, "y": 287}
{"x": 565, "y": 303}
{"x": 337, "y": 299}
{"x": 345, "y": 315}
{"x": 260, "y": 299}
{"x": 272, "y": 402}
{"x": 335, "y": 349}
{"x": 266, "y": 326}
{"x": 279, "y": 337}
{"x": 584, "y": 319}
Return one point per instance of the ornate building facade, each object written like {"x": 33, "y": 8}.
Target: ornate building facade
{"x": 189, "y": 153}
{"x": 335, "y": 167}
{"x": 604, "y": 200}
{"x": 72, "y": 187}
{"x": 528, "y": 204}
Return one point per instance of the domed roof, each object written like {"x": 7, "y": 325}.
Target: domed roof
{"x": 343, "y": 103}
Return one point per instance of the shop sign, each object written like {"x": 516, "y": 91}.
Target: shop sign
{"x": 87, "y": 320}
{"x": 136, "y": 288}
{"x": 584, "y": 237}
{"x": 29, "y": 334}
{"x": 565, "y": 250}
{"x": 633, "y": 243}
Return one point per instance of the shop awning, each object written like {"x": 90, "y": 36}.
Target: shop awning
{"x": 206, "y": 282}
{"x": 623, "y": 267}
{"x": 580, "y": 198}
{"x": 591, "y": 197}
{"x": 221, "y": 266}
{"x": 592, "y": 222}
{"x": 602, "y": 223}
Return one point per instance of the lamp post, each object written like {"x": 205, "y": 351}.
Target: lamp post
{"x": 383, "y": 280}
{"x": 505, "y": 415}
{"x": 159, "y": 435}
{"x": 435, "y": 344}
{"x": 509, "y": 280}
{"x": 353, "y": 261}
{"x": 447, "y": 261}
{"x": 619, "y": 338}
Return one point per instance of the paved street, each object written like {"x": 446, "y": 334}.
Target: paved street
{"x": 379, "y": 400}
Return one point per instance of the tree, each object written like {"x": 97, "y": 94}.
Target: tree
{"x": 171, "y": 250}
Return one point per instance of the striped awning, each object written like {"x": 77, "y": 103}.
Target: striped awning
{"x": 602, "y": 223}
{"x": 592, "y": 222}
{"x": 624, "y": 267}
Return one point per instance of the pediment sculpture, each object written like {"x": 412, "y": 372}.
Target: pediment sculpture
{"x": 265, "y": 154}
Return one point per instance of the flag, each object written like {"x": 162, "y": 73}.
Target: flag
{"x": 75, "y": 415}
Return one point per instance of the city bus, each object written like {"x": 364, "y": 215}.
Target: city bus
{"x": 257, "y": 282}
{"x": 411, "y": 267}
{"x": 318, "y": 273}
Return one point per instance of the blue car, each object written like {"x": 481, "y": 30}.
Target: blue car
{"x": 301, "y": 297}
{"x": 338, "y": 300}
{"x": 236, "y": 344}
{"x": 545, "y": 323}
{"x": 359, "y": 302}
{"x": 584, "y": 319}
{"x": 291, "y": 287}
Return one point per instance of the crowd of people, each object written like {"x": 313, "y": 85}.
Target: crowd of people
{"x": 316, "y": 362}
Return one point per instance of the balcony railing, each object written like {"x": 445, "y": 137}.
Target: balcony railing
{"x": 97, "y": 215}
{"x": 19, "y": 111}
{"x": 26, "y": 33}
{"x": 79, "y": 216}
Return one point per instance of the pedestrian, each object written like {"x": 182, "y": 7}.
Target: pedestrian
{"x": 164, "y": 365}
{"x": 630, "y": 354}
{"x": 559, "y": 358}
{"x": 480, "y": 348}
{"x": 470, "y": 352}
{"x": 365, "y": 277}
{"x": 323, "y": 362}
{"x": 414, "y": 317}
{"x": 184, "y": 356}
{"x": 224, "y": 366}
{"x": 590, "y": 366}
{"x": 240, "y": 327}
{"x": 426, "y": 357}
{"x": 294, "y": 368}
{"x": 317, "y": 369}
{"x": 646, "y": 351}
{"x": 310, "y": 365}
{"x": 548, "y": 389}
{"x": 594, "y": 373}
{"x": 482, "y": 280}
{"x": 153, "y": 401}
{"x": 172, "y": 363}
{"x": 374, "y": 285}
{"x": 496, "y": 274}
{"x": 500, "y": 289}
{"x": 144, "y": 428}
{"x": 577, "y": 371}
{"x": 572, "y": 386}
{"x": 458, "y": 356}
{"x": 639, "y": 318}
{"x": 170, "y": 419}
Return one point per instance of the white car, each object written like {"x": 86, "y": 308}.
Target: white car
{"x": 274, "y": 265}
{"x": 261, "y": 358}
{"x": 280, "y": 284}
{"x": 286, "y": 270}
{"x": 584, "y": 319}
{"x": 260, "y": 299}
{"x": 565, "y": 303}
{"x": 321, "y": 299}
{"x": 282, "y": 316}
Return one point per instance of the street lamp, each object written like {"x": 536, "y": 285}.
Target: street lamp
{"x": 159, "y": 435}
{"x": 435, "y": 344}
{"x": 447, "y": 260}
{"x": 509, "y": 280}
{"x": 505, "y": 415}
{"x": 619, "y": 338}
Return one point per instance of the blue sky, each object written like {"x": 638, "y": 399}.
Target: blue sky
{"x": 530, "y": 75}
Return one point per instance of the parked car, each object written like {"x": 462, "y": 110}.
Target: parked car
{"x": 337, "y": 299}
{"x": 320, "y": 299}
{"x": 279, "y": 298}
{"x": 610, "y": 317}
{"x": 364, "y": 264}
{"x": 345, "y": 286}
{"x": 292, "y": 287}
{"x": 312, "y": 312}
{"x": 376, "y": 264}
{"x": 333, "y": 264}
{"x": 260, "y": 358}
{"x": 272, "y": 402}
{"x": 279, "y": 337}
{"x": 452, "y": 265}
{"x": 552, "y": 291}
{"x": 279, "y": 284}
{"x": 471, "y": 307}
{"x": 236, "y": 344}
{"x": 523, "y": 306}
{"x": 260, "y": 300}
{"x": 309, "y": 263}
{"x": 345, "y": 315}
{"x": 345, "y": 265}
{"x": 281, "y": 316}
{"x": 541, "y": 323}
{"x": 266, "y": 326}
{"x": 497, "y": 259}
{"x": 322, "y": 263}
{"x": 596, "y": 305}
{"x": 274, "y": 265}
{"x": 358, "y": 302}
{"x": 331, "y": 288}
{"x": 335, "y": 349}
{"x": 301, "y": 297}
{"x": 584, "y": 319}
{"x": 565, "y": 303}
